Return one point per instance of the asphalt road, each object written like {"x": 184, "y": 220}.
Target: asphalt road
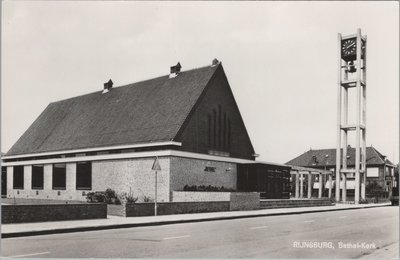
{"x": 291, "y": 236}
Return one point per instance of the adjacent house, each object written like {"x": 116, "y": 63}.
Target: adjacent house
{"x": 379, "y": 168}
{"x": 189, "y": 120}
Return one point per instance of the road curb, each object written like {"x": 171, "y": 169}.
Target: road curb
{"x": 166, "y": 222}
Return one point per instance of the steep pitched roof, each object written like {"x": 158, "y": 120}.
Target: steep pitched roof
{"x": 148, "y": 111}
{"x": 317, "y": 158}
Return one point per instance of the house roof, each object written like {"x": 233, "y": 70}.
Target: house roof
{"x": 149, "y": 111}
{"x": 317, "y": 158}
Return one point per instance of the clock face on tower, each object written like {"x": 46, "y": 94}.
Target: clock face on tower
{"x": 349, "y": 49}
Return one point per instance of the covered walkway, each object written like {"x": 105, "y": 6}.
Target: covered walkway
{"x": 300, "y": 173}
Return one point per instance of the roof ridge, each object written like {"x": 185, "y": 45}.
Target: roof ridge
{"x": 133, "y": 83}
{"x": 158, "y": 77}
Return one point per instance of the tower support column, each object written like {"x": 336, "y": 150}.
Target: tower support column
{"x": 339, "y": 113}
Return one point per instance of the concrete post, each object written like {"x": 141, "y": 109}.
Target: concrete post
{"x": 320, "y": 186}
{"x": 344, "y": 189}
{"x": 71, "y": 177}
{"x": 301, "y": 184}
{"x": 27, "y": 177}
{"x": 363, "y": 162}
{"x": 363, "y": 186}
{"x": 339, "y": 119}
{"x": 358, "y": 121}
{"x": 330, "y": 186}
{"x": 48, "y": 177}
{"x": 10, "y": 180}
{"x": 296, "y": 195}
{"x": 309, "y": 187}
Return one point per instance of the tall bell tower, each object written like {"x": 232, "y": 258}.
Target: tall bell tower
{"x": 352, "y": 68}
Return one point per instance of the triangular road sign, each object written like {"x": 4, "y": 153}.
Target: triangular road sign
{"x": 156, "y": 165}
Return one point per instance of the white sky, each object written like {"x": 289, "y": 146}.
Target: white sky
{"x": 280, "y": 59}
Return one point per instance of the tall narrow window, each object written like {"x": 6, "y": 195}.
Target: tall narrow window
{"x": 18, "y": 180}
{"x": 219, "y": 126}
{"x": 229, "y": 134}
{"x": 37, "y": 177}
{"x": 214, "y": 128}
{"x": 59, "y": 176}
{"x": 209, "y": 130}
{"x": 224, "y": 132}
{"x": 84, "y": 176}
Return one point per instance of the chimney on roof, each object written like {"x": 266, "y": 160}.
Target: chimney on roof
{"x": 175, "y": 70}
{"x": 214, "y": 63}
{"x": 107, "y": 86}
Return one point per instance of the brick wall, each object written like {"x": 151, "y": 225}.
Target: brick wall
{"x": 187, "y": 196}
{"x": 186, "y": 171}
{"x": 244, "y": 201}
{"x": 70, "y": 193}
{"x": 238, "y": 200}
{"x": 125, "y": 175}
{"x": 132, "y": 175}
{"x": 48, "y": 194}
{"x": 116, "y": 210}
{"x": 168, "y": 208}
{"x": 53, "y": 212}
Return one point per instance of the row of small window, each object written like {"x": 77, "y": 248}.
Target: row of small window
{"x": 83, "y": 176}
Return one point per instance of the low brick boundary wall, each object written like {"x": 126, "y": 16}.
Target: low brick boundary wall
{"x": 116, "y": 210}
{"x": 51, "y": 212}
{"x": 294, "y": 203}
{"x": 237, "y": 200}
{"x": 244, "y": 201}
{"x": 232, "y": 201}
{"x": 167, "y": 208}
{"x": 191, "y": 196}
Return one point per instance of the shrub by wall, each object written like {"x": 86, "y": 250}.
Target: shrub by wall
{"x": 51, "y": 212}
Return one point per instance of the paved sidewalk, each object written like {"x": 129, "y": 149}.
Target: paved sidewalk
{"x": 113, "y": 222}
{"x": 388, "y": 252}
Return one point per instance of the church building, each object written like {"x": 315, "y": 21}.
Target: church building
{"x": 189, "y": 120}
